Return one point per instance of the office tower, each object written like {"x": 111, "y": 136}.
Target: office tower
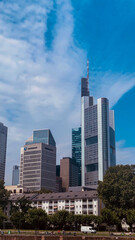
{"x": 69, "y": 173}
{"x": 98, "y": 136}
{"x": 15, "y": 175}
{"x": 58, "y": 170}
{"x": 58, "y": 179}
{"x": 3, "y": 147}
{"x": 38, "y": 162}
{"x": 76, "y": 149}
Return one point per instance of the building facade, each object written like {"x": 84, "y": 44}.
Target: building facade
{"x": 76, "y": 150}
{"x": 79, "y": 203}
{"x": 38, "y": 162}
{"x": 69, "y": 173}
{"x": 84, "y": 203}
{"x": 3, "y": 147}
{"x": 98, "y": 137}
{"x": 15, "y": 175}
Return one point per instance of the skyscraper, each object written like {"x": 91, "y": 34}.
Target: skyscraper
{"x": 3, "y": 147}
{"x": 15, "y": 175}
{"x": 76, "y": 149}
{"x": 98, "y": 136}
{"x": 38, "y": 162}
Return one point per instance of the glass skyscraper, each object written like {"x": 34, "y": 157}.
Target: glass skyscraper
{"x": 98, "y": 137}
{"x": 76, "y": 149}
{"x": 41, "y": 136}
{"x": 3, "y": 147}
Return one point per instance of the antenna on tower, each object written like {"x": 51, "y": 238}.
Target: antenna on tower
{"x": 88, "y": 69}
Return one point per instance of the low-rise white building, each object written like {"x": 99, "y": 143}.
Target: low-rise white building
{"x": 84, "y": 202}
{"x": 74, "y": 202}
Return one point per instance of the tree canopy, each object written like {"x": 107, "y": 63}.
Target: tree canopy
{"x": 36, "y": 218}
{"x": 4, "y": 195}
{"x": 117, "y": 190}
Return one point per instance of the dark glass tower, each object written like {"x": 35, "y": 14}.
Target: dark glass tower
{"x": 3, "y": 147}
{"x": 76, "y": 149}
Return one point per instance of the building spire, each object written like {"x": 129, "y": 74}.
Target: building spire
{"x": 88, "y": 74}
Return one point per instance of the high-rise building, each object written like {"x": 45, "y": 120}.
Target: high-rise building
{"x": 3, "y": 147}
{"x": 76, "y": 149}
{"x": 15, "y": 175}
{"x": 69, "y": 173}
{"x": 98, "y": 136}
{"x": 38, "y": 162}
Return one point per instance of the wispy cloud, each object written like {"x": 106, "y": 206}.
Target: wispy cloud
{"x": 111, "y": 85}
{"x": 125, "y": 155}
{"x": 38, "y": 85}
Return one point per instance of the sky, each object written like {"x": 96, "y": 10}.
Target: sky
{"x": 44, "y": 46}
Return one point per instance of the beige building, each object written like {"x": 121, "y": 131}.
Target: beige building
{"x": 38, "y": 162}
{"x": 16, "y": 189}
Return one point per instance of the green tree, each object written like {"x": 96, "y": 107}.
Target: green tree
{"x": 117, "y": 190}
{"x": 130, "y": 217}
{"x": 59, "y": 219}
{"x": 36, "y": 218}
{"x": 3, "y": 217}
{"x": 18, "y": 219}
{"x": 22, "y": 205}
{"x": 78, "y": 220}
{"x": 4, "y": 195}
{"x": 18, "y": 211}
{"x": 109, "y": 217}
{"x": 70, "y": 221}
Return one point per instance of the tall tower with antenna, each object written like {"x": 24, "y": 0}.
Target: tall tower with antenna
{"x": 97, "y": 136}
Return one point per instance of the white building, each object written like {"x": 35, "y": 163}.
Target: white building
{"x": 74, "y": 202}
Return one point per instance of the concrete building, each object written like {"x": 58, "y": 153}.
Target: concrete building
{"x": 3, "y": 147}
{"x": 76, "y": 150}
{"x": 17, "y": 189}
{"x": 15, "y": 175}
{"x": 38, "y": 162}
{"x": 69, "y": 173}
{"x": 98, "y": 136}
{"x": 83, "y": 203}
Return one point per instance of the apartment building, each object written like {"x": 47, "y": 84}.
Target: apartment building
{"x": 74, "y": 202}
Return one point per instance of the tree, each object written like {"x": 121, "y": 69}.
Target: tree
{"x": 22, "y": 205}
{"x": 36, "y": 218}
{"x": 4, "y": 195}
{"x": 71, "y": 221}
{"x": 3, "y": 217}
{"x": 18, "y": 219}
{"x": 18, "y": 211}
{"x": 59, "y": 219}
{"x": 130, "y": 217}
{"x": 118, "y": 188}
{"x": 109, "y": 217}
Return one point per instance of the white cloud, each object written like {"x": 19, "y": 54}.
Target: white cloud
{"x": 38, "y": 85}
{"x": 112, "y": 85}
{"x": 125, "y": 155}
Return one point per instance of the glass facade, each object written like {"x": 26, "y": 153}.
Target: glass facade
{"x": 42, "y": 136}
{"x": 3, "y": 146}
{"x": 76, "y": 149}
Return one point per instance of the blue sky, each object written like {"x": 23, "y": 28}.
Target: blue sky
{"x": 44, "y": 47}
